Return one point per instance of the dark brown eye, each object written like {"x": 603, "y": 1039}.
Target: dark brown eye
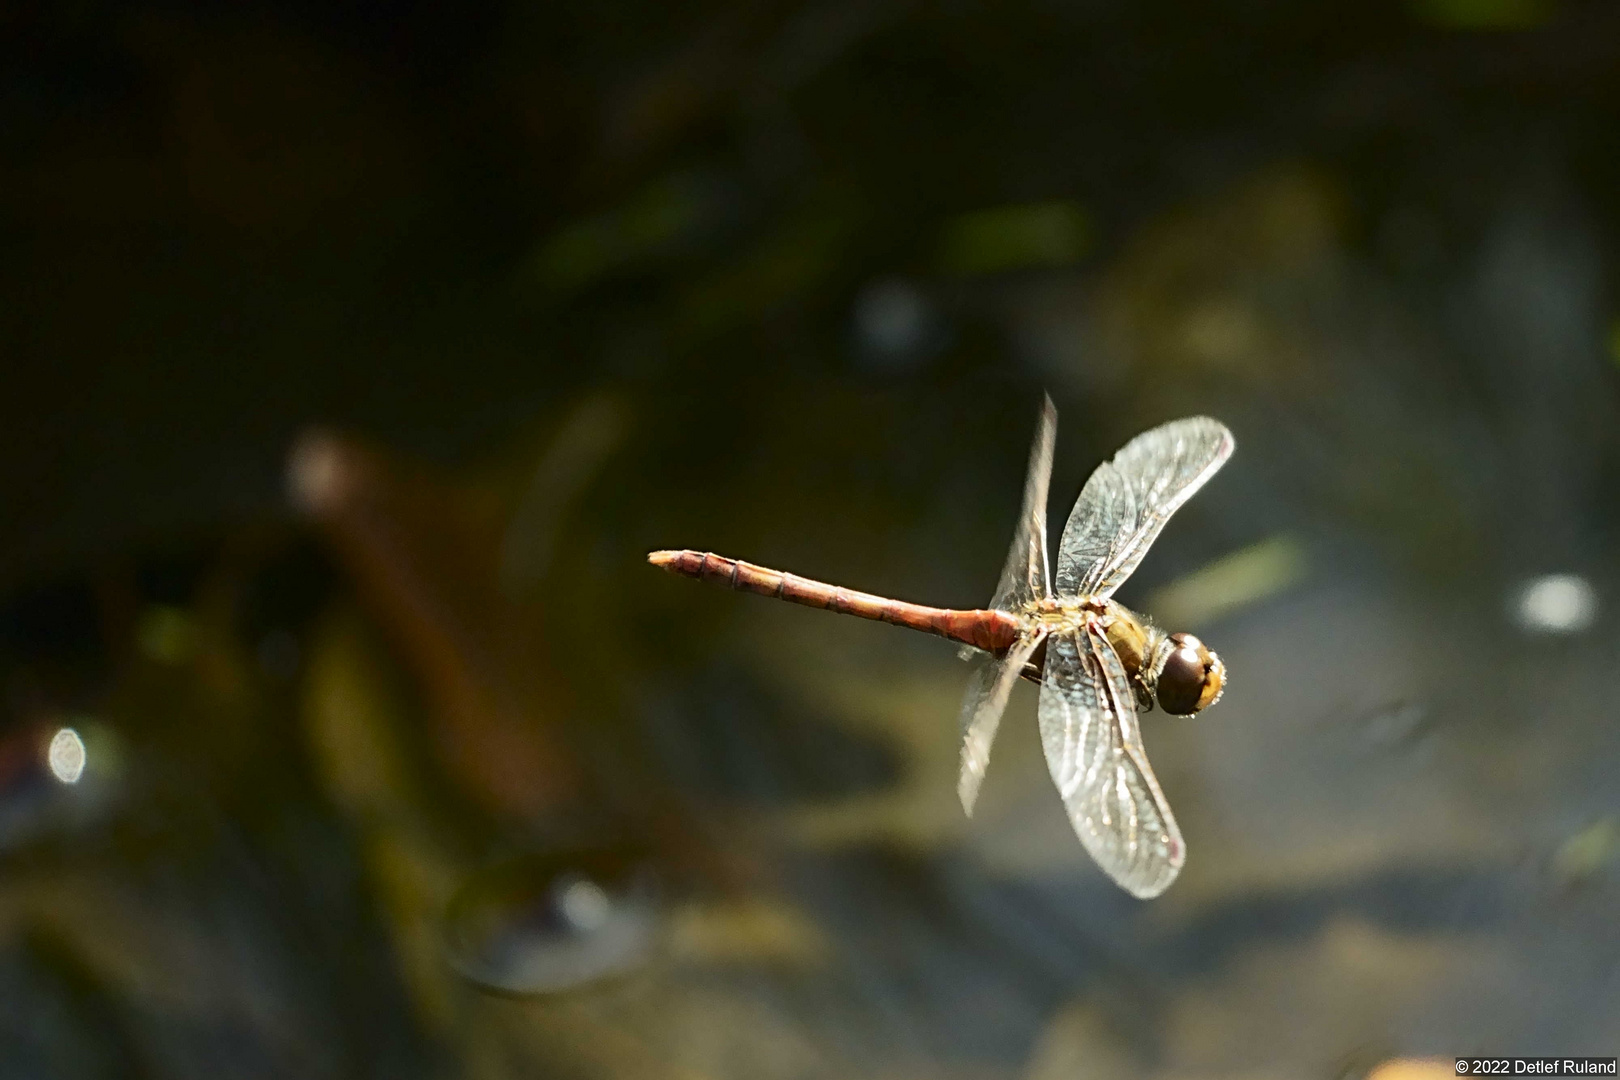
{"x": 1190, "y": 678}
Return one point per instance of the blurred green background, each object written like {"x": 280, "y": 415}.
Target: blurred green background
{"x": 357, "y": 353}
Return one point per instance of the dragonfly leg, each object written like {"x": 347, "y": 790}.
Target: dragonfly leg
{"x": 1035, "y": 664}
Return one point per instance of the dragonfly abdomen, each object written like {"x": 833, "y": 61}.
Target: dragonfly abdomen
{"x": 993, "y": 631}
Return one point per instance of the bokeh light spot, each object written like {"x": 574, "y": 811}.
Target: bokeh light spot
{"x": 1557, "y": 604}
{"x": 584, "y": 903}
{"x": 894, "y": 325}
{"x": 66, "y": 756}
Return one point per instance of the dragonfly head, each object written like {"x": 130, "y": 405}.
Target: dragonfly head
{"x": 1188, "y": 677}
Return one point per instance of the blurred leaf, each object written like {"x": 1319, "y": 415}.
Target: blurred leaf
{"x": 1585, "y": 854}
{"x": 351, "y": 718}
{"x": 1486, "y": 14}
{"x": 747, "y": 930}
{"x": 644, "y": 229}
{"x": 1017, "y": 237}
{"x": 1235, "y": 581}
{"x": 424, "y": 548}
{"x": 587, "y": 436}
{"x": 166, "y": 634}
{"x": 804, "y": 251}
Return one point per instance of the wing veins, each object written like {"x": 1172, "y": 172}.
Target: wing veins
{"x": 1129, "y": 499}
{"x": 982, "y": 705}
{"x": 1026, "y": 575}
{"x": 1094, "y": 751}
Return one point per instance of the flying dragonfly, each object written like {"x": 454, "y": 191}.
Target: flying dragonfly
{"x": 1097, "y": 662}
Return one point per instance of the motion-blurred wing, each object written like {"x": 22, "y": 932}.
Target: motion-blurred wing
{"x": 982, "y": 705}
{"x": 1127, "y": 501}
{"x": 1094, "y": 751}
{"x": 1025, "y": 576}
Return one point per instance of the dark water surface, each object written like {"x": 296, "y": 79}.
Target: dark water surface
{"x": 358, "y": 353}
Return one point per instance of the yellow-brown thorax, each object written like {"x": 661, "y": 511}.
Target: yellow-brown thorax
{"x": 1176, "y": 669}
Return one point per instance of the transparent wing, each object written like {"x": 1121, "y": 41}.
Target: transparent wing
{"x": 1127, "y": 501}
{"x": 1094, "y": 751}
{"x": 1025, "y": 576}
{"x": 988, "y": 689}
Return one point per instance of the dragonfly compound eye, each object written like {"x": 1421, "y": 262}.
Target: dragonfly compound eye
{"x": 1190, "y": 678}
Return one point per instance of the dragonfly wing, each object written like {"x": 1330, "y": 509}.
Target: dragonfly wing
{"x": 1128, "y": 500}
{"x": 1095, "y": 754}
{"x": 1026, "y": 576}
{"x": 982, "y": 705}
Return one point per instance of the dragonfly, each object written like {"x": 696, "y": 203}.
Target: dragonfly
{"x": 1098, "y": 664}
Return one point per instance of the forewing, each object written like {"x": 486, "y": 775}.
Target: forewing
{"x": 1025, "y": 576}
{"x": 1128, "y": 500}
{"x": 1095, "y": 754}
{"x": 988, "y": 689}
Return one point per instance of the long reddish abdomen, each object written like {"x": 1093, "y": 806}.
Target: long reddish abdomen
{"x": 993, "y": 631}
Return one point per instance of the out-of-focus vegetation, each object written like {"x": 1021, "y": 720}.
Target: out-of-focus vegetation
{"x": 357, "y": 353}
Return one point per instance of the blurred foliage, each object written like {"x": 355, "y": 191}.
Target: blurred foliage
{"x": 1488, "y": 14}
{"x": 1014, "y": 237}
{"x": 359, "y": 352}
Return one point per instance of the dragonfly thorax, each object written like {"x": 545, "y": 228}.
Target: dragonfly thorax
{"x": 1178, "y": 671}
